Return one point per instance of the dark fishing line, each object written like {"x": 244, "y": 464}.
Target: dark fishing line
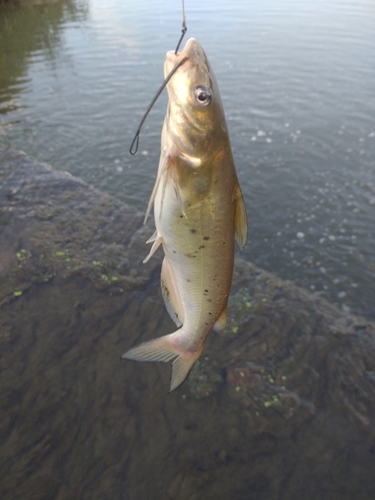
{"x": 184, "y": 28}
{"x": 135, "y": 143}
{"x": 136, "y": 137}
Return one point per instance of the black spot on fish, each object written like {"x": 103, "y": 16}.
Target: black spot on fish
{"x": 206, "y": 238}
{"x": 189, "y": 281}
{"x": 209, "y": 300}
{"x": 202, "y": 246}
{"x": 206, "y": 290}
{"x": 165, "y": 288}
{"x": 193, "y": 231}
{"x": 174, "y": 251}
{"x": 190, "y": 256}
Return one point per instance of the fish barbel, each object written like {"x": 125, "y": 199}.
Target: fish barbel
{"x": 199, "y": 212}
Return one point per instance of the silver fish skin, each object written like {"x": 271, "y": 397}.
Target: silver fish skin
{"x": 199, "y": 212}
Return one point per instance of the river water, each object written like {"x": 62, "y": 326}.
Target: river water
{"x": 297, "y": 81}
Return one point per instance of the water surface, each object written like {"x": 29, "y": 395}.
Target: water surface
{"x": 297, "y": 82}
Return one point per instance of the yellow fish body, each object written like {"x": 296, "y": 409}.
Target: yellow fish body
{"x": 199, "y": 212}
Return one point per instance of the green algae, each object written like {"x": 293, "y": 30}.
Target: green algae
{"x": 60, "y": 253}
{"x": 61, "y": 242}
{"x": 204, "y": 379}
{"x": 23, "y": 255}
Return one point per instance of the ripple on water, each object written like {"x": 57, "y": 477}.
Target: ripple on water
{"x": 300, "y": 116}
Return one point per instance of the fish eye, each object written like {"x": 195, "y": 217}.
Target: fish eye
{"x": 203, "y": 95}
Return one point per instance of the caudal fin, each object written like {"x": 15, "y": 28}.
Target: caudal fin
{"x": 165, "y": 349}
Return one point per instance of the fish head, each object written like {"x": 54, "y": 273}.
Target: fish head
{"x": 195, "y": 118}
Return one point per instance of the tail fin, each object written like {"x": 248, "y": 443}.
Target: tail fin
{"x": 165, "y": 349}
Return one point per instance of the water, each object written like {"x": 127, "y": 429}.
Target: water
{"x": 280, "y": 406}
{"x": 297, "y": 82}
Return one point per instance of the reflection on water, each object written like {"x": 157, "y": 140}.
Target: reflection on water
{"x": 297, "y": 83}
{"x": 29, "y": 33}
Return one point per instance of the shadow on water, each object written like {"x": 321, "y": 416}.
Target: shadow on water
{"x": 280, "y": 406}
{"x": 27, "y": 28}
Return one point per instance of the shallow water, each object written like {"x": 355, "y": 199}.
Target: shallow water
{"x": 297, "y": 81}
{"x": 280, "y": 406}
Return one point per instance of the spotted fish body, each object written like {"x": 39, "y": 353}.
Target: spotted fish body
{"x": 199, "y": 212}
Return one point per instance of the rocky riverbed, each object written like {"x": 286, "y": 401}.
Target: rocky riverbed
{"x": 280, "y": 406}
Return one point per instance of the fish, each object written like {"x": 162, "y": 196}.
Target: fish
{"x": 199, "y": 212}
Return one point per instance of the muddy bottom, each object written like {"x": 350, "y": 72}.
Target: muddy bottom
{"x": 280, "y": 406}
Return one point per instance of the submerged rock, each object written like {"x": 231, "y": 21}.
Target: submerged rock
{"x": 280, "y": 406}
{"x": 55, "y": 224}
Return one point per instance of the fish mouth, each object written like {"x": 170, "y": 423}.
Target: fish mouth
{"x": 193, "y": 53}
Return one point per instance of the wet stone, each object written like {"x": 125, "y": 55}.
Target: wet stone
{"x": 204, "y": 378}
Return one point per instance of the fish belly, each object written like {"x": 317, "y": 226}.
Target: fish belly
{"x": 199, "y": 250}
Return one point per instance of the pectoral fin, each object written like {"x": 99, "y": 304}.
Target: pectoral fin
{"x": 162, "y": 171}
{"x": 152, "y": 198}
{"x": 170, "y": 295}
{"x": 240, "y": 218}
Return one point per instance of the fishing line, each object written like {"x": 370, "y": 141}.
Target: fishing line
{"x": 135, "y": 143}
{"x": 184, "y": 28}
